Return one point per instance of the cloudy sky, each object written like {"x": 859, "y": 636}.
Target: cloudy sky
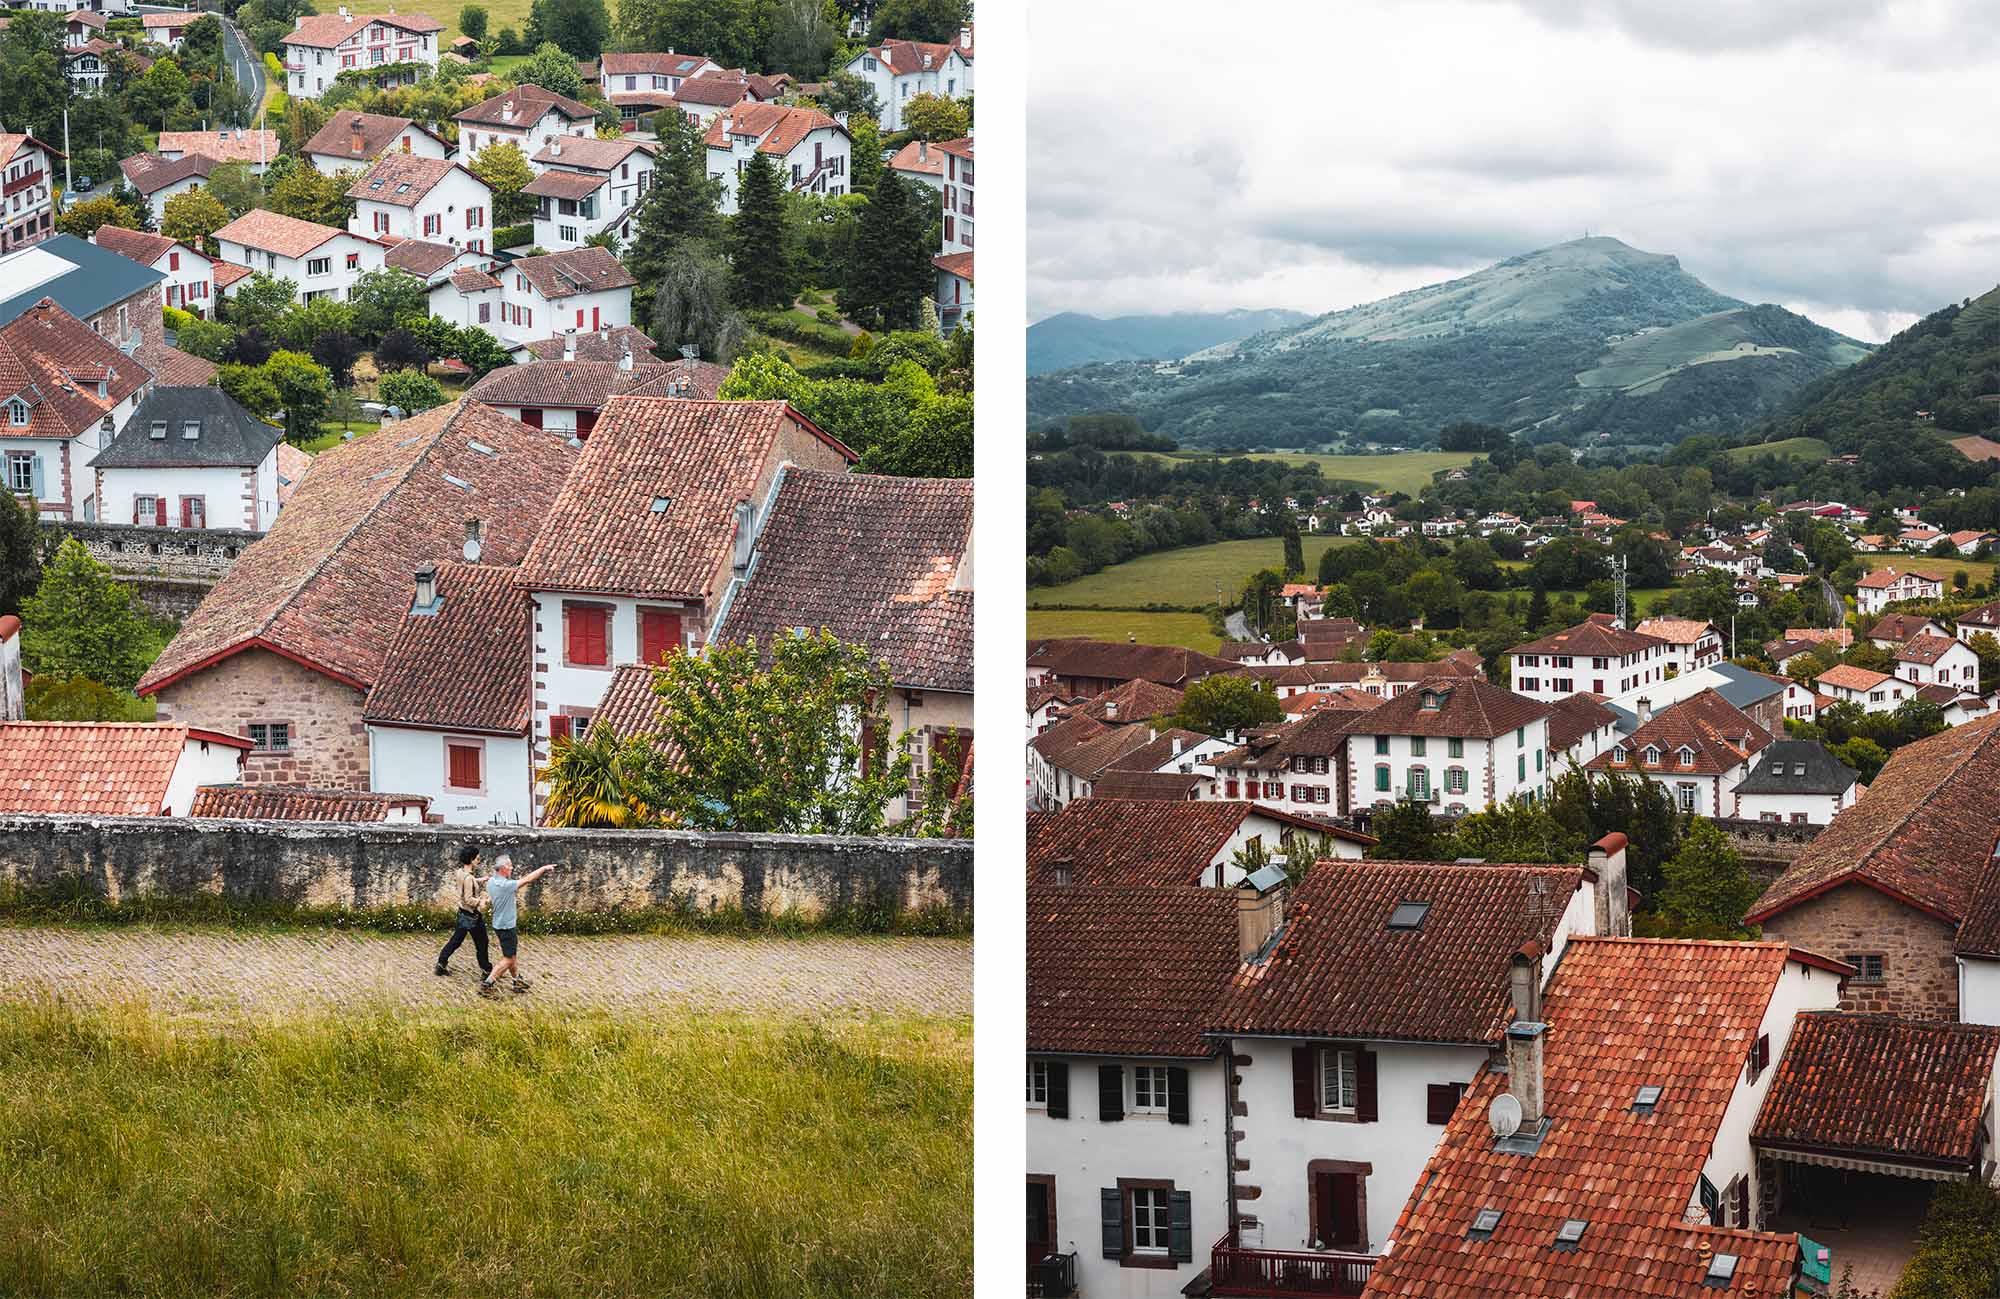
{"x": 1836, "y": 156}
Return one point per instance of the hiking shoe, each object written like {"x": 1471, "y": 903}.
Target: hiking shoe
{"x": 440, "y": 971}
{"x": 488, "y": 990}
{"x": 520, "y": 985}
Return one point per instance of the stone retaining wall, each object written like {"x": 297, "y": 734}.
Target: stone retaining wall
{"x": 204, "y": 553}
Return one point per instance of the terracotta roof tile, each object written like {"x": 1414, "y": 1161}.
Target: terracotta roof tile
{"x": 529, "y": 104}
{"x": 603, "y": 534}
{"x": 299, "y": 803}
{"x": 959, "y": 264}
{"x": 53, "y": 361}
{"x": 275, "y": 232}
{"x": 324, "y": 31}
{"x": 1084, "y": 746}
{"x": 90, "y": 768}
{"x": 777, "y": 127}
{"x": 629, "y": 706}
{"x": 919, "y": 156}
{"x": 172, "y": 367}
{"x": 581, "y": 385}
{"x": 1137, "y": 700}
{"x": 1721, "y": 736}
{"x": 419, "y": 257}
{"x": 1321, "y": 733}
{"x": 1455, "y": 706}
{"x": 1676, "y": 631}
{"x": 235, "y": 145}
{"x": 580, "y": 270}
{"x": 589, "y": 152}
{"x": 679, "y": 378}
{"x": 1594, "y": 636}
{"x": 1127, "y": 971}
{"x": 716, "y": 90}
{"x": 1323, "y": 978}
{"x": 329, "y": 583}
{"x": 377, "y": 131}
{"x": 138, "y": 245}
{"x": 1167, "y": 786}
{"x": 403, "y": 179}
{"x": 565, "y": 184}
{"x": 463, "y": 665}
{"x": 1119, "y": 842}
{"x": 878, "y": 561}
{"x": 1898, "y": 626}
{"x": 470, "y": 279}
{"x": 1169, "y": 665}
{"x": 1926, "y": 649}
{"x": 1575, "y": 717}
{"x": 1620, "y": 1013}
{"x": 614, "y": 64}
{"x": 608, "y": 344}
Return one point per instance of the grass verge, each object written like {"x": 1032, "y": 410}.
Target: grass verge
{"x": 73, "y": 904}
{"x": 1184, "y": 578}
{"x": 1187, "y": 630}
{"x": 375, "y": 1154}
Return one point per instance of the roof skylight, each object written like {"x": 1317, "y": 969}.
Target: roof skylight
{"x": 1409, "y": 915}
{"x": 1484, "y": 1223}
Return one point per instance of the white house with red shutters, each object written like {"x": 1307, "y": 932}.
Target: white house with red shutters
{"x": 898, "y": 71}
{"x": 810, "y": 149}
{"x": 583, "y": 289}
{"x": 588, "y": 186}
{"x": 407, "y": 196}
{"x": 190, "y": 457}
{"x": 322, "y": 46}
{"x": 26, "y": 195}
{"x": 322, "y": 260}
{"x": 190, "y": 282}
{"x": 957, "y": 195}
{"x": 1879, "y": 589}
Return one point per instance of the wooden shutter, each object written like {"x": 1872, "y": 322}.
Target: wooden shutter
{"x": 1058, "y": 1089}
{"x": 587, "y": 632}
{"x": 464, "y": 765}
{"x": 559, "y": 726}
{"x": 138, "y": 503}
{"x": 586, "y": 420}
{"x": 1440, "y": 1099}
{"x": 1180, "y": 1208}
{"x": 1177, "y": 1095}
{"x": 659, "y": 632}
{"x": 159, "y": 511}
{"x": 1110, "y": 1093}
{"x": 532, "y": 417}
{"x": 1304, "y": 1103}
{"x": 187, "y": 511}
{"x": 1346, "y": 1210}
{"x": 1365, "y": 1109}
{"x": 1111, "y": 1208}
{"x": 1741, "y": 1207}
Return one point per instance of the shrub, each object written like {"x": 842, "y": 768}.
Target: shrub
{"x": 827, "y": 316}
{"x": 79, "y": 699}
{"x": 513, "y": 236}
{"x": 796, "y": 328}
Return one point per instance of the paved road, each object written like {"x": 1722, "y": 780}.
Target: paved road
{"x": 1238, "y": 626}
{"x": 221, "y": 973}
{"x": 249, "y": 69}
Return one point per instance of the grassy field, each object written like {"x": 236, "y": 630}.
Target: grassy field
{"x": 1189, "y": 630}
{"x": 492, "y": 1153}
{"x": 499, "y": 14}
{"x": 1405, "y": 471}
{"x": 1184, "y": 577}
{"x": 1976, "y": 571}
{"x": 1788, "y": 449}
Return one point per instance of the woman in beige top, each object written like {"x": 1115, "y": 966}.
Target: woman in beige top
{"x": 472, "y": 902}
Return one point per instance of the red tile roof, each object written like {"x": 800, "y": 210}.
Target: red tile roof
{"x": 1886, "y": 577}
{"x": 150, "y": 173}
{"x": 299, "y": 803}
{"x": 602, "y": 534}
{"x": 236, "y": 145}
{"x": 1454, "y": 706}
{"x": 324, "y": 31}
{"x": 1926, "y": 649}
{"x": 1594, "y": 636}
{"x": 1324, "y": 976}
{"x": 403, "y": 179}
{"x": 615, "y": 64}
{"x": 959, "y": 264}
{"x": 1898, "y": 626}
{"x": 1321, "y": 733}
{"x": 589, "y": 152}
{"x": 377, "y": 131}
{"x": 1167, "y": 786}
{"x": 1876, "y": 1086}
{"x": 463, "y": 664}
{"x": 1085, "y": 747}
{"x": 53, "y": 361}
{"x": 275, "y": 232}
{"x": 607, "y": 344}
{"x": 93, "y": 768}
{"x": 174, "y": 368}
{"x": 1120, "y": 842}
{"x": 1923, "y": 831}
{"x": 880, "y": 562}
{"x": 419, "y": 257}
{"x": 716, "y": 90}
{"x": 328, "y": 585}
{"x": 528, "y": 104}
{"x": 1849, "y": 677}
{"x": 1721, "y": 736}
{"x": 1169, "y": 665}
{"x": 566, "y": 184}
{"x": 1321, "y": 672}
{"x": 138, "y": 245}
{"x": 1127, "y": 971}
{"x": 1621, "y": 1013}
{"x": 678, "y": 378}
{"x": 919, "y": 156}
{"x": 629, "y": 706}
{"x": 778, "y": 127}
{"x": 576, "y": 385}
{"x": 1575, "y": 717}
{"x": 580, "y": 270}
{"x": 1137, "y": 700}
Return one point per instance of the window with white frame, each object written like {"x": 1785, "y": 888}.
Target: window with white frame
{"x": 1152, "y": 1221}
{"x": 17, "y": 413}
{"x": 21, "y": 471}
{"x": 1687, "y": 791}
{"x": 1149, "y": 1089}
{"x": 1339, "y": 1082}
{"x": 1038, "y": 1082}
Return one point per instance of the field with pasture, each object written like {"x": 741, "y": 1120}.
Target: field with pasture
{"x": 1976, "y": 571}
{"x": 1186, "y": 578}
{"x": 1786, "y": 449}
{"x": 499, "y": 14}
{"x": 1404, "y": 471}
{"x": 1188, "y": 630}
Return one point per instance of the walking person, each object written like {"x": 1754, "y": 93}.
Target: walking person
{"x": 504, "y": 892}
{"x": 472, "y": 902}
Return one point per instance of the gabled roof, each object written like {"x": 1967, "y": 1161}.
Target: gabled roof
{"x": 578, "y": 385}
{"x": 93, "y": 768}
{"x": 1799, "y": 767}
{"x": 420, "y": 257}
{"x": 580, "y": 270}
{"x": 461, "y": 663}
{"x": 173, "y": 367}
{"x": 1455, "y": 706}
{"x": 1595, "y": 636}
{"x": 138, "y": 245}
{"x": 1887, "y": 577}
{"x": 324, "y": 31}
{"x": 959, "y": 264}
{"x": 1884, "y": 1088}
{"x": 603, "y": 535}
{"x": 528, "y": 105}
{"x": 1926, "y": 649}
{"x": 919, "y": 157}
{"x": 1086, "y": 747}
{"x": 81, "y": 278}
{"x": 1899, "y": 626}
{"x": 1126, "y": 971}
{"x": 1923, "y": 833}
{"x": 611, "y": 342}
{"x": 13, "y": 142}
{"x": 1676, "y": 631}
{"x": 1137, "y": 700}
{"x": 1323, "y": 977}
{"x": 299, "y": 803}
{"x": 1848, "y": 677}
{"x": 377, "y": 131}
{"x": 327, "y": 586}
{"x": 53, "y": 362}
{"x": 1121, "y": 842}
{"x": 778, "y": 128}
{"x": 1575, "y": 717}
{"x": 587, "y": 152}
{"x": 1321, "y": 733}
{"x": 716, "y": 90}
{"x": 1721, "y": 736}
{"x": 1620, "y": 1013}
{"x": 566, "y": 184}
{"x": 678, "y": 378}
{"x": 1986, "y": 615}
{"x": 1081, "y": 656}
{"x": 613, "y": 64}
{"x": 234, "y": 145}
{"x": 907, "y": 57}
{"x": 629, "y": 706}
{"x": 880, "y": 562}
{"x": 403, "y": 179}
{"x": 227, "y": 434}
{"x": 274, "y": 232}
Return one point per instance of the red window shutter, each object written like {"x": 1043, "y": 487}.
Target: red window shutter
{"x": 579, "y": 317}
{"x": 1440, "y": 1099}
{"x": 464, "y": 765}
{"x": 1346, "y": 1210}
{"x": 1303, "y": 1081}
{"x": 586, "y": 420}
{"x": 138, "y": 503}
{"x": 160, "y": 512}
{"x": 559, "y": 727}
{"x": 597, "y": 318}
{"x": 659, "y": 632}
{"x": 1229, "y": 788}
{"x": 173, "y": 261}
{"x": 532, "y": 417}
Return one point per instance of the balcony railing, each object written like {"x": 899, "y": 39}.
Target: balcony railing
{"x": 1281, "y": 1273}
{"x": 19, "y": 183}
{"x": 1052, "y": 1278}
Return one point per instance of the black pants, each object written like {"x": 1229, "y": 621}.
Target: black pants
{"x": 468, "y": 923}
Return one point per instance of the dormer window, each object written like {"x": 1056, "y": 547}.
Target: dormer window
{"x": 1686, "y": 756}
{"x": 1620, "y": 756}
{"x": 159, "y": 430}
{"x": 190, "y": 429}
{"x": 1651, "y": 757}
{"x": 17, "y": 413}
{"x": 1432, "y": 701}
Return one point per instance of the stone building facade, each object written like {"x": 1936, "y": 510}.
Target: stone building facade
{"x": 1903, "y": 957}
{"x": 323, "y": 741}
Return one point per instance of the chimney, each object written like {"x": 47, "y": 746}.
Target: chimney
{"x": 965, "y": 38}
{"x": 298, "y": 22}
{"x": 1525, "y": 986}
{"x": 923, "y": 151}
{"x": 604, "y": 333}
{"x": 507, "y": 111}
{"x": 745, "y": 542}
{"x": 569, "y": 345}
{"x": 474, "y": 530}
{"x": 1645, "y": 710}
{"x": 555, "y": 148}
{"x": 1177, "y": 746}
{"x": 13, "y": 702}
{"x": 1524, "y": 1069}
{"x": 359, "y": 143}
{"x": 1607, "y": 862}
{"x": 426, "y": 591}
{"x": 1259, "y": 913}
{"x": 1063, "y": 870}
{"x": 625, "y": 358}
{"x": 1111, "y": 710}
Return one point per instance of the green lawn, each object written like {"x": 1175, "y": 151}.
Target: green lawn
{"x": 1405, "y": 471}
{"x": 1976, "y": 571}
{"x": 1787, "y": 449}
{"x": 1189, "y": 630}
{"x": 332, "y": 434}
{"x": 499, "y": 14}
{"x": 482, "y": 1152}
{"x": 1185, "y": 577}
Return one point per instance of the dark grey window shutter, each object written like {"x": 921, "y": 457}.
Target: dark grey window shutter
{"x": 1112, "y": 1201}
{"x": 1181, "y": 1204}
{"x": 1058, "y": 1089}
{"x": 1366, "y": 1108}
{"x": 1177, "y": 1095}
{"x": 1303, "y": 1082}
{"x": 1110, "y": 1092}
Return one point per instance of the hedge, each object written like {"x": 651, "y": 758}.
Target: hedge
{"x": 513, "y": 236}
{"x": 791, "y": 325}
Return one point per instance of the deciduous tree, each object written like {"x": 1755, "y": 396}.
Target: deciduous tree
{"x": 505, "y": 170}
{"x": 1219, "y": 705}
{"x": 191, "y": 217}
{"x": 411, "y": 390}
{"x": 80, "y": 623}
{"x": 20, "y": 552}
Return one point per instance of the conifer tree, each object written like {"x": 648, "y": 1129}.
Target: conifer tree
{"x": 757, "y": 243}
{"x": 892, "y": 271}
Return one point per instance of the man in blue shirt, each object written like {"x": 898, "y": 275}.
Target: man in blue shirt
{"x": 504, "y": 892}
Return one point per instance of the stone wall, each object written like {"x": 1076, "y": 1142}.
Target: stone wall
{"x": 1919, "y": 970}
{"x": 204, "y": 553}
{"x": 1767, "y": 847}
{"x": 364, "y": 866}
{"x": 329, "y": 743}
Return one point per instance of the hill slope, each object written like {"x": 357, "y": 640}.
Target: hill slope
{"x": 1588, "y": 337}
{"x": 1071, "y": 339}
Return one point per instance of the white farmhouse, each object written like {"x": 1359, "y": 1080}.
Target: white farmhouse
{"x": 1797, "y": 782}
{"x": 1938, "y": 661}
{"x": 811, "y": 150}
{"x": 322, "y": 46}
{"x": 1882, "y": 587}
{"x": 898, "y": 71}
{"x": 87, "y": 64}
{"x": 190, "y": 457}
{"x": 405, "y": 196}
{"x": 1698, "y": 750}
{"x": 158, "y": 179}
{"x": 584, "y": 289}
{"x": 1875, "y": 692}
{"x": 190, "y": 276}
{"x": 1692, "y": 644}
{"x": 588, "y": 186}
{"x": 26, "y": 191}
{"x": 1459, "y": 744}
{"x": 954, "y": 290}
{"x": 1596, "y": 657}
{"x": 641, "y": 84}
{"x": 527, "y": 117}
{"x": 322, "y": 261}
{"x": 169, "y": 29}
{"x": 63, "y": 392}
{"x": 256, "y": 150}
{"x": 352, "y": 141}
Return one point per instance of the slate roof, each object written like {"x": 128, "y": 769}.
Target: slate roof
{"x": 404, "y": 179}
{"x": 299, "y": 803}
{"x": 1922, "y": 833}
{"x": 1465, "y": 706}
{"x": 1780, "y": 771}
{"x": 530, "y": 103}
{"x": 1926, "y": 649}
{"x": 97, "y": 278}
{"x": 230, "y": 435}
{"x": 1594, "y": 636}
{"x": 579, "y": 385}
{"x": 328, "y": 585}
{"x": 1130, "y": 971}
{"x": 53, "y": 361}
{"x": 1881, "y": 1087}
{"x": 234, "y": 145}
{"x": 1621, "y": 1013}
{"x": 93, "y": 768}
{"x": 324, "y": 31}
{"x": 1721, "y": 736}
{"x": 269, "y": 231}
{"x": 377, "y": 130}
{"x": 580, "y": 270}
{"x": 462, "y": 665}
{"x": 1081, "y": 656}
{"x": 1323, "y": 978}
{"x": 880, "y": 562}
{"x": 1119, "y": 842}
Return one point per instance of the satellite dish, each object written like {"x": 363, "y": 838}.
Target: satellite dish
{"x": 1504, "y": 1115}
{"x": 471, "y": 550}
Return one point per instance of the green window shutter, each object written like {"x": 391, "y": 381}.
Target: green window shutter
{"x": 1111, "y": 1202}
{"x": 1180, "y": 1206}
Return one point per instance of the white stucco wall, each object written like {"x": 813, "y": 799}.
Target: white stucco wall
{"x": 1817, "y": 809}
{"x": 220, "y": 487}
{"x": 407, "y": 760}
{"x": 420, "y": 142}
{"x": 336, "y": 280}
{"x": 452, "y": 202}
{"x": 1978, "y": 991}
{"x": 1610, "y": 675}
{"x": 203, "y": 762}
{"x": 1516, "y": 763}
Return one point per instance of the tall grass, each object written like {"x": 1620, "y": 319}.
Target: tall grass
{"x": 484, "y": 1153}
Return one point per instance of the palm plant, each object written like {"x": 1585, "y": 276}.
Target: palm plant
{"x": 599, "y": 781}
